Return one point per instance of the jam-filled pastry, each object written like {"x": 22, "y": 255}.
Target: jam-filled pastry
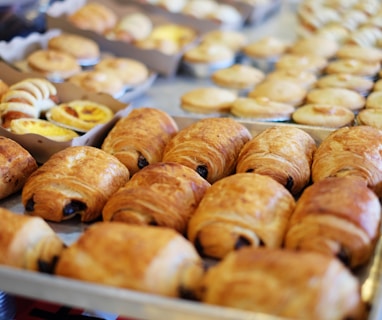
{"x": 284, "y": 283}
{"x": 28, "y": 98}
{"x": 77, "y": 180}
{"x": 139, "y": 138}
{"x": 209, "y": 146}
{"x": 28, "y": 242}
{"x": 354, "y": 151}
{"x": 338, "y": 216}
{"x": 16, "y": 165}
{"x": 143, "y": 258}
{"x": 284, "y": 153}
{"x": 244, "y": 209}
{"x": 162, "y": 194}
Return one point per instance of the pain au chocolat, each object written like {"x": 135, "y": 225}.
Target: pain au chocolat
{"x": 76, "y": 180}
{"x": 16, "y": 165}
{"x": 209, "y": 146}
{"x": 336, "y": 216}
{"x": 284, "y": 283}
{"x": 284, "y": 153}
{"x": 244, "y": 209}
{"x": 144, "y": 258}
{"x": 28, "y": 242}
{"x": 163, "y": 194}
{"x": 139, "y": 138}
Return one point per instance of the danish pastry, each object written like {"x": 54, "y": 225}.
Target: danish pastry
{"x": 336, "y": 216}
{"x": 143, "y": 258}
{"x": 294, "y": 285}
{"x": 139, "y": 139}
{"x": 243, "y": 209}
{"x": 209, "y": 146}
{"x": 80, "y": 115}
{"x": 164, "y": 194}
{"x": 350, "y": 151}
{"x": 76, "y": 180}
{"x": 284, "y": 153}
{"x": 16, "y": 165}
{"x": 28, "y": 242}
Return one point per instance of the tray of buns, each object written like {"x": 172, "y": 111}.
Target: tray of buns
{"x": 91, "y": 214}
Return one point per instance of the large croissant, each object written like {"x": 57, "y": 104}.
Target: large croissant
{"x": 209, "y": 146}
{"x": 139, "y": 139}
{"x": 244, "y": 209}
{"x": 163, "y": 194}
{"x": 338, "y": 216}
{"x": 75, "y": 180}
{"x": 284, "y": 153}
{"x": 28, "y": 242}
{"x": 150, "y": 259}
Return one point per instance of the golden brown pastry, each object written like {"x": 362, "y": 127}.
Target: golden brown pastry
{"x": 139, "y": 139}
{"x": 350, "y": 151}
{"x": 284, "y": 283}
{"x": 163, "y": 194}
{"x": 284, "y": 153}
{"x": 336, "y": 216}
{"x": 76, "y": 180}
{"x": 16, "y": 165}
{"x": 28, "y": 242}
{"x": 94, "y": 17}
{"x": 3, "y": 88}
{"x": 209, "y": 146}
{"x": 243, "y": 209}
{"x": 143, "y": 258}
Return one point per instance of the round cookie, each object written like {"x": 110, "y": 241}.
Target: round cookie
{"x": 367, "y": 54}
{"x": 85, "y": 50}
{"x": 262, "y": 109}
{"x": 323, "y": 115}
{"x": 315, "y": 45}
{"x": 233, "y": 39}
{"x": 336, "y": 96}
{"x": 279, "y": 90}
{"x": 305, "y": 62}
{"x": 374, "y": 100}
{"x": 53, "y": 64}
{"x": 353, "y": 66}
{"x": 99, "y": 82}
{"x": 238, "y": 76}
{"x": 306, "y": 79}
{"x": 208, "y": 100}
{"x": 132, "y": 72}
{"x": 370, "y": 117}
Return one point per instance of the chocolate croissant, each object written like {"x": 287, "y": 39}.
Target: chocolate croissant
{"x": 244, "y": 209}
{"x": 338, "y": 216}
{"x": 16, "y": 165}
{"x": 139, "y": 139}
{"x": 143, "y": 258}
{"x": 354, "y": 151}
{"x": 284, "y": 283}
{"x": 28, "y": 242}
{"x": 76, "y": 180}
{"x": 209, "y": 146}
{"x": 163, "y": 194}
{"x": 284, "y": 153}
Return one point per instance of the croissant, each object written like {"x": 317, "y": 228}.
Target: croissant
{"x": 209, "y": 146}
{"x": 16, "y": 165}
{"x": 28, "y": 242}
{"x": 354, "y": 151}
{"x": 284, "y": 283}
{"x": 163, "y": 194}
{"x": 139, "y": 139}
{"x": 144, "y": 258}
{"x": 284, "y": 153}
{"x": 338, "y": 216}
{"x": 244, "y": 209}
{"x": 75, "y": 180}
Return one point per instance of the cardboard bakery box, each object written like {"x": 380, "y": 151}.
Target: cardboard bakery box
{"x": 164, "y": 64}
{"x": 41, "y": 147}
{"x": 17, "y": 50}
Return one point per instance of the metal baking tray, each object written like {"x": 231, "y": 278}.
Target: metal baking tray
{"x": 90, "y": 296}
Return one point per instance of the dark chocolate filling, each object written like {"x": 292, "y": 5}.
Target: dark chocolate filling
{"x": 344, "y": 256}
{"x": 142, "y": 162}
{"x": 202, "y": 170}
{"x": 73, "y": 207}
{"x": 29, "y": 206}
